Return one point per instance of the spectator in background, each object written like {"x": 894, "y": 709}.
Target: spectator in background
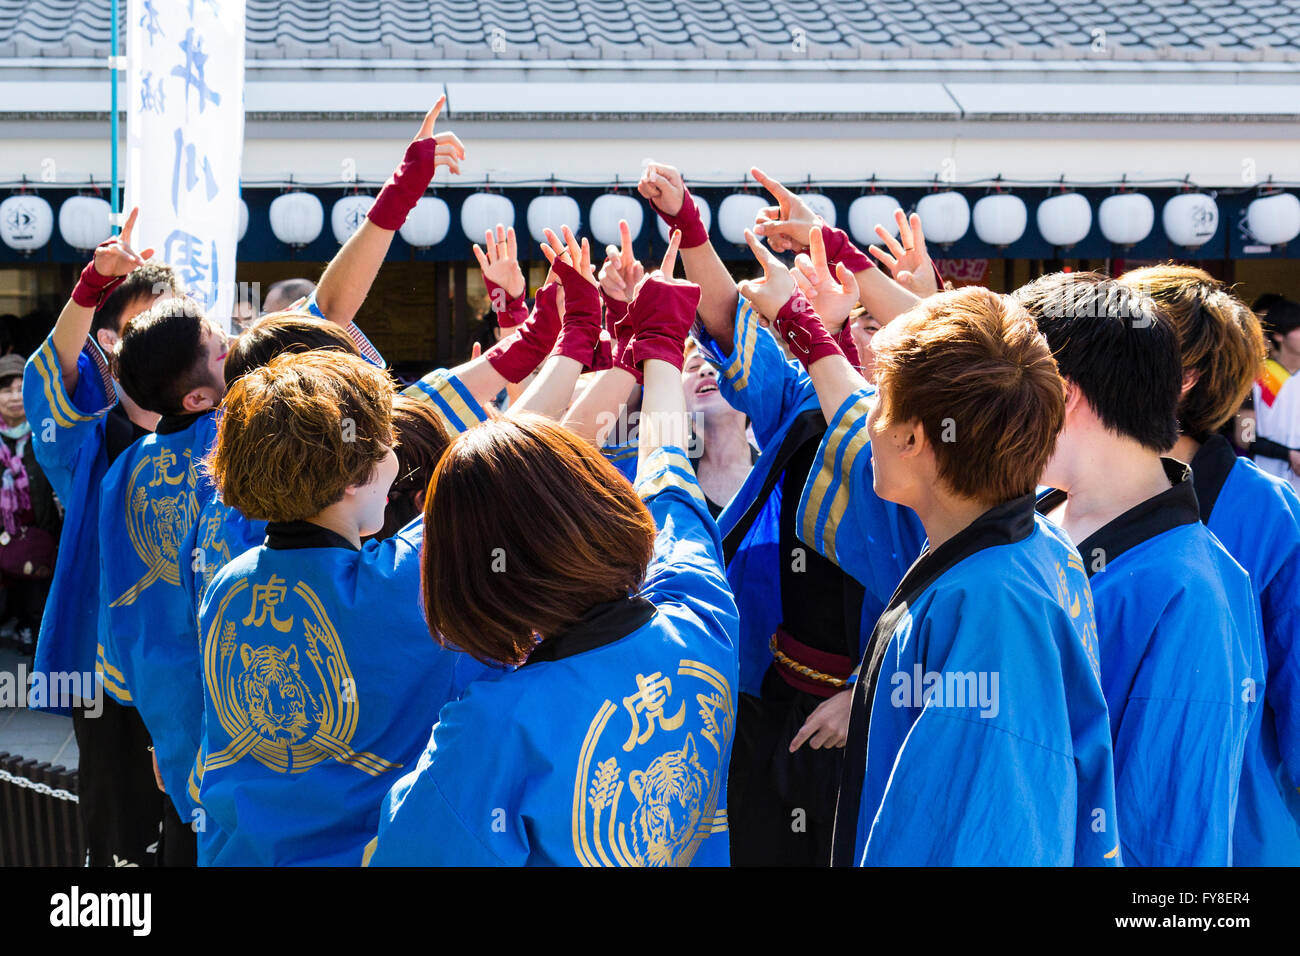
{"x": 30, "y": 518}
{"x": 242, "y": 315}
{"x": 284, "y": 293}
{"x": 1277, "y": 395}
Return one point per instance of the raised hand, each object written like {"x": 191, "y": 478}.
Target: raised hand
{"x": 663, "y": 310}
{"x": 774, "y": 289}
{"x": 115, "y": 257}
{"x": 113, "y": 260}
{"x": 449, "y": 150}
{"x": 907, "y": 260}
{"x": 786, "y": 225}
{"x": 663, "y": 186}
{"x": 620, "y": 272}
{"x": 569, "y": 253}
{"x": 425, "y": 154}
{"x": 500, "y": 263}
{"x": 832, "y": 293}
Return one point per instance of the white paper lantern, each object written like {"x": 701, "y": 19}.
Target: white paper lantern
{"x": 1273, "y": 220}
{"x": 428, "y": 223}
{"x": 1065, "y": 219}
{"x": 739, "y": 212}
{"x": 1126, "y": 218}
{"x": 1000, "y": 219}
{"x": 85, "y": 221}
{"x": 551, "y": 212}
{"x": 945, "y": 216}
{"x": 706, "y": 217}
{"x": 26, "y": 222}
{"x": 347, "y": 216}
{"x": 1190, "y": 219}
{"x": 296, "y": 218}
{"x": 606, "y": 212}
{"x": 243, "y": 221}
{"x": 821, "y": 205}
{"x": 867, "y": 212}
{"x": 483, "y": 211}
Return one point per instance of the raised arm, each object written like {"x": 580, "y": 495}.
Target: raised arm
{"x": 348, "y": 277}
{"x": 607, "y": 395}
{"x": 788, "y": 227}
{"x": 777, "y": 296}
{"x": 662, "y": 185}
{"x": 113, "y": 260}
{"x": 580, "y": 327}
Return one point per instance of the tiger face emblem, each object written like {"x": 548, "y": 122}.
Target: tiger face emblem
{"x": 670, "y": 794}
{"x": 280, "y": 707}
{"x": 170, "y": 524}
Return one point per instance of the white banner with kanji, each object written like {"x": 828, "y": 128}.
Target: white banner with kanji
{"x": 185, "y": 139}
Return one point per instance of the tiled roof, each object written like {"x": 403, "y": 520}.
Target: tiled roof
{"x": 721, "y": 30}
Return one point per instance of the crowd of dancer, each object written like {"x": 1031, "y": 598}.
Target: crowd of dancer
{"x": 883, "y": 574}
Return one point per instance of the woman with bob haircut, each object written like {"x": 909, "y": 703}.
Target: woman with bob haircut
{"x": 965, "y": 690}
{"x": 608, "y": 744}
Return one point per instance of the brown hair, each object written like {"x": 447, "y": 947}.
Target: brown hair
{"x": 422, "y": 440}
{"x": 281, "y": 332}
{"x": 973, "y": 369}
{"x": 526, "y": 528}
{"x": 297, "y": 432}
{"x": 1219, "y": 339}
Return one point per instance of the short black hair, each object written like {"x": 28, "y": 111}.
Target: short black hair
{"x": 1266, "y": 302}
{"x": 1109, "y": 340}
{"x": 160, "y": 357}
{"x": 151, "y": 279}
{"x": 1281, "y": 317}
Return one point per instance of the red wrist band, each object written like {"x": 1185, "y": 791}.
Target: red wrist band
{"x": 662, "y": 314}
{"x": 92, "y": 288}
{"x": 839, "y": 248}
{"x": 622, "y": 328}
{"x": 687, "y": 220}
{"x": 801, "y": 329}
{"x": 511, "y": 312}
{"x": 844, "y": 339}
{"x": 405, "y": 187}
{"x": 580, "y": 327}
{"x": 518, "y": 355}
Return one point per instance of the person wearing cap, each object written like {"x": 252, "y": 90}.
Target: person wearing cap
{"x": 30, "y": 518}
{"x": 1277, "y": 395}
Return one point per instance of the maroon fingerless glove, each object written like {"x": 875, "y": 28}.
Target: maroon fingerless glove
{"x": 662, "y": 314}
{"x": 92, "y": 288}
{"x": 517, "y": 355}
{"x": 840, "y": 248}
{"x": 687, "y": 220}
{"x": 801, "y": 328}
{"x": 622, "y": 329}
{"x": 580, "y": 329}
{"x": 510, "y": 312}
{"x": 405, "y": 187}
{"x": 844, "y": 339}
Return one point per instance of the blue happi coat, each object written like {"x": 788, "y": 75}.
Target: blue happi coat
{"x": 151, "y": 497}
{"x": 610, "y": 746}
{"x": 978, "y": 733}
{"x": 1180, "y": 657}
{"x": 1257, "y": 518}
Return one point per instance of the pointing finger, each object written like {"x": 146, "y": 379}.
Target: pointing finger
{"x": 670, "y": 254}
{"x": 431, "y": 117}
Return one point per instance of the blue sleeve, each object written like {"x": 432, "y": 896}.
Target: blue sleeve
{"x": 757, "y": 378}
{"x": 623, "y": 457}
{"x": 687, "y": 567}
{"x": 428, "y": 833}
{"x": 841, "y": 516}
{"x": 450, "y": 400}
{"x": 62, "y": 423}
{"x": 363, "y": 344}
{"x": 1280, "y": 605}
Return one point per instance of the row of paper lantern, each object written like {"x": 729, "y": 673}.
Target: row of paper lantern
{"x": 297, "y": 218}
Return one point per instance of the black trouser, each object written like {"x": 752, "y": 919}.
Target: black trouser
{"x": 780, "y": 805}
{"x": 120, "y": 804}
{"x": 179, "y": 841}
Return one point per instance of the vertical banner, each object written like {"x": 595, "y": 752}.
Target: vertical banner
{"x": 185, "y": 139}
